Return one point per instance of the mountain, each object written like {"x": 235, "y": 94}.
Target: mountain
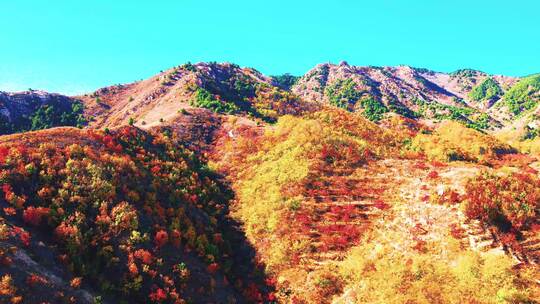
{"x": 481, "y": 101}
{"x": 412, "y": 92}
{"x": 35, "y": 110}
{"x": 224, "y": 88}
{"x": 474, "y": 98}
{"x": 213, "y": 183}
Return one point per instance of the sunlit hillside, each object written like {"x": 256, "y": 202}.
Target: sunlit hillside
{"x": 214, "y": 183}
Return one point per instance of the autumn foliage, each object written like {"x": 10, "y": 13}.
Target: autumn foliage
{"x": 123, "y": 210}
{"x": 509, "y": 202}
{"x": 451, "y": 141}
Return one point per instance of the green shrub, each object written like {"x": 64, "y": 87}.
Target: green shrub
{"x": 53, "y": 114}
{"x": 487, "y": 90}
{"x": 343, "y": 93}
{"x": 524, "y": 95}
{"x": 480, "y": 123}
{"x": 189, "y": 67}
{"x": 285, "y": 81}
{"x": 204, "y": 99}
{"x": 373, "y": 108}
{"x": 466, "y": 73}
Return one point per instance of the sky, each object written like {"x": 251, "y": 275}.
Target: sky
{"x": 74, "y": 47}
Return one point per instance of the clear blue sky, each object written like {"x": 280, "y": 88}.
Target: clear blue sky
{"x": 72, "y": 46}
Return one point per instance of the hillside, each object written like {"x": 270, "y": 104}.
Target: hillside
{"x": 128, "y": 216}
{"x": 224, "y": 88}
{"x": 36, "y": 110}
{"x": 346, "y": 188}
{"x": 213, "y": 183}
{"x": 412, "y": 92}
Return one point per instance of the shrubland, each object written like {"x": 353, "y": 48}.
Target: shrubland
{"x": 510, "y": 202}
{"x": 132, "y": 215}
{"x": 56, "y": 112}
{"x": 486, "y": 90}
{"x": 530, "y": 146}
{"x": 300, "y": 159}
{"x": 377, "y": 273}
{"x": 345, "y": 94}
{"x": 451, "y": 141}
{"x": 228, "y": 89}
{"x": 524, "y": 95}
{"x": 296, "y": 149}
{"x": 285, "y": 81}
{"x": 469, "y": 117}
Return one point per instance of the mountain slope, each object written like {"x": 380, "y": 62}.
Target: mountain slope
{"x": 331, "y": 201}
{"x": 126, "y": 216}
{"x": 36, "y": 110}
{"x": 224, "y": 88}
{"x": 346, "y": 185}
{"x": 415, "y": 93}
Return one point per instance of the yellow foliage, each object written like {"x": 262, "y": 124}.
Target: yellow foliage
{"x": 529, "y": 146}
{"x": 273, "y": 167}
{"x": 6, "y": 286}
{"x": 287, "y": 155}
{"x": 452, "y": 141}
{"x": 381, "y": 274}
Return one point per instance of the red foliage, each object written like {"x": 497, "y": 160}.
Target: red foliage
{"x": 433, "y": 175}
{"x": 158, "y": 295}
{"x": 457, "y": 232}
{"x": 35, "y": 279}
{"x": 176, "y": 238}
{"x": 23, "y": 236}
{"x": 33, "y": 215}
{"x": 420, "y": 165}
{"x": 253, "y": 294}
{"x": 218, "y": 238}
{"x": 144, "y": 255}
{"x": 271, "y": 297}
{"x": 510, "y": 240}
{"x": 514, "y": 160}
{"x": 450, "y": 197}
{"x": 161, "y": 238}
{"x": 155, "y": 169}
{"x": 10, "y": 211}
{"x": 8, "y": 191}
{"x": 513, "y": 198}
{"x": 133, "y": 270}
{"x": 82, "y": 203}
{"x": 438, "y": 164}
{"x": 381, "y": 205}
{"x": 65, "y": 231}
{"x": 76, "y": 282}
{"x": 420, "y": 245}
{"x": 212, "y": 268}
{"x": 271, "y": 282}
{"x": 4, "y": 152}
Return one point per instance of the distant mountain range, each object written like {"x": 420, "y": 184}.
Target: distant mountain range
{"x": 482, "y": 101}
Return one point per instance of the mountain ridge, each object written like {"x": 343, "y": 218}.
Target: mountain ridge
{"x": 414, "y": 92}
